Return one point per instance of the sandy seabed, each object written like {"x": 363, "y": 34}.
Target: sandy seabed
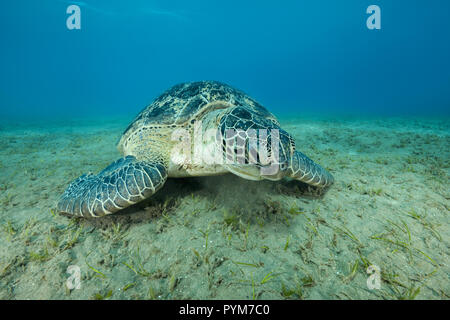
{"x": 225, "y": 237}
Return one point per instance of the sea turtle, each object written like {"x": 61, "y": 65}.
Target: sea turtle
{"x": 177, "y": 120}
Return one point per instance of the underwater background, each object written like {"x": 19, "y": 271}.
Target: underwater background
{"x": 371, "y": 106}
{"x": 296, "y": 56}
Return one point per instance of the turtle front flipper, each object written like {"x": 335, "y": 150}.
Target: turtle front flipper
{"x": 121, "y": 184}
{"x": 304, "y": 169}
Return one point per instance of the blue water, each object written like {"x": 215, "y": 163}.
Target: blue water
{"x": 294, "y": 57}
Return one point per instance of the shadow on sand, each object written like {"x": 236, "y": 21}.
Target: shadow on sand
{"x": 228, "y": 191}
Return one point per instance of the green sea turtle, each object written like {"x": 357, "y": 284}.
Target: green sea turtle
{"x": 179, "y": 135}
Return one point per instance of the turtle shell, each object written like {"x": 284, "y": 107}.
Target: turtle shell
{"x": 182, "y": 102}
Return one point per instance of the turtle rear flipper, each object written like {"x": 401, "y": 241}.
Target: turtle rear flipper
{"x": 121, "y": 184}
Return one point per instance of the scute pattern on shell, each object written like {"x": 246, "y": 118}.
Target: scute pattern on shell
{"x": 181, "y": 102}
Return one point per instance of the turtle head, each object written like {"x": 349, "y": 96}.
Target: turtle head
{"x": 280, "y": 146}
